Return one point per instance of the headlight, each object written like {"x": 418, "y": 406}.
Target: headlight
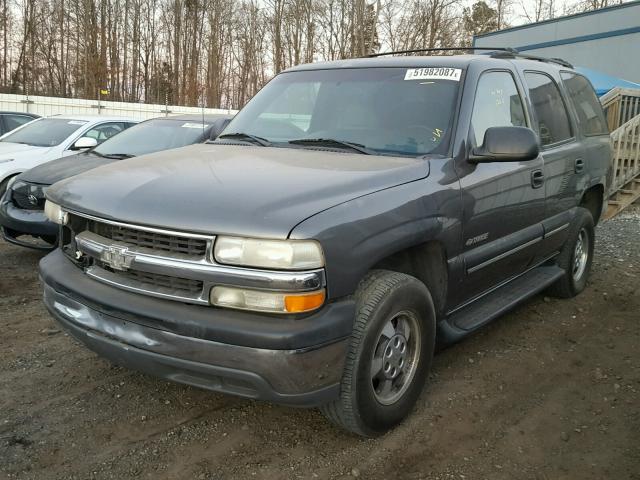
{"x": 55, "y": 213}
{"x": 277, "y": 254}
{"x": 26, "y": 188}
{"x": 263, "y": 301}
{"x": 12, "y": 182}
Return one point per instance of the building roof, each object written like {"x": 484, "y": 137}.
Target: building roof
{"x": 602, "y": 82}
{"x": 562, "y": 18}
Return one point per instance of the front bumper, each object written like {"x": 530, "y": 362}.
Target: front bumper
{"x": 16, "y": 222}
{"x": 290, "y": 361}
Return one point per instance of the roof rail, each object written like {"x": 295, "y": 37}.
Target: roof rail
{"x": 513, "y": 53}
{"x": 494, "y": 52}
{"x": 448, "y": 49}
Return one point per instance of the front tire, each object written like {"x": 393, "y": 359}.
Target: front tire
{"x": 389, "y": 355}
{"x": 576, "y": 256}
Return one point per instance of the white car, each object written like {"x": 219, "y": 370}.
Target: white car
{"x": 53, "y": 137}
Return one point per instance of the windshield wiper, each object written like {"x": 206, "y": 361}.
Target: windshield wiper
{"x": 115, "y": 156}
{"x": 263, "y": 142}
{"x": 332, "y": 142}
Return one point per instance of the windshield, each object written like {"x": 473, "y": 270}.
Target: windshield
{"x": 387, "y": 110}
{"x": 153, "y": 136}
{"x": 45, "y": 132}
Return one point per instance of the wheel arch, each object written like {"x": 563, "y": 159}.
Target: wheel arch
{"x": 428, "y": 263}
{"x": 5, "y": 180}
{"x": 593, "y": 199}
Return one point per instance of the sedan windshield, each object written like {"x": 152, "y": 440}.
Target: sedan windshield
{"x": 45, "y": 132}
{"x": 393, "y": 111}
{"x": 153, "y": 136}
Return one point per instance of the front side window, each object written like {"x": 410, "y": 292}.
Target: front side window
{"x": 497, "y": 104}
{"x": 550, "y": 110}
{"x": 45, "y": 132}
{"x": 588, "y": 108}
{"x": 392, "y": 111}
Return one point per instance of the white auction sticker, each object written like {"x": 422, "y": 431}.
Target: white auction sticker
{"x": 434, "y": 73}
{"x": 195, "y": 125}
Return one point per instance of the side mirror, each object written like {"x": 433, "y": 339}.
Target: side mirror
{"x": 84, "y": 142}
{"x": 506, "y": 144}
{"x": 218, "y": 126}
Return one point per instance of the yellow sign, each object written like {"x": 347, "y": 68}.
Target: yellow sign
{"x": 104, "y": 91}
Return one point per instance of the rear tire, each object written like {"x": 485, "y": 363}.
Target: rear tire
{"x": 575, "y": 257}
{"x": 389, "y": 355}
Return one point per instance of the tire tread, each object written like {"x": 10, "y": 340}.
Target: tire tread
{"x": 371, "y": 290}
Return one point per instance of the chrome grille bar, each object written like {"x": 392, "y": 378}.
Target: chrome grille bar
{"x": 104, "y": 251}
{"x": 145, "y": 288}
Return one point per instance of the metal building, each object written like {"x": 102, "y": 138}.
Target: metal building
{"x": 606, "y": 40}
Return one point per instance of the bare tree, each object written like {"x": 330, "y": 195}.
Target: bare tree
{"x": 217, "y": 53}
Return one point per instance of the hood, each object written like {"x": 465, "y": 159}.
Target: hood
{"x": 231, "y": 189}
{"x": 65, "y": 167}
{"x": 9, "y": 149}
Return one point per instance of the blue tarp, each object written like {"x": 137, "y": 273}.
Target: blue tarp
{"x": 603, "y": 82}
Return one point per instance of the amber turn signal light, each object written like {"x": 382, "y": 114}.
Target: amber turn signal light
{"x": 303, "y": 303}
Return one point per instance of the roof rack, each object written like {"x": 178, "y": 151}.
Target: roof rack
{"x": 494, "y": 52}
{"x": 513, "y": 53}
{"x": 448, "y": 49}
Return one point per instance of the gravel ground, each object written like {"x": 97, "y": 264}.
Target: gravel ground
{"x": 549, "y": 391}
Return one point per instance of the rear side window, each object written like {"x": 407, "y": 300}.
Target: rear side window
{"x": 497, "y": 104}
{"x": 550, "y": 110}
{"x": 588, "y": 108}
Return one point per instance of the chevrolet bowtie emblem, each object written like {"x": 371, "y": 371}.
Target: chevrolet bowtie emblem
{"x": 117, "y": 257}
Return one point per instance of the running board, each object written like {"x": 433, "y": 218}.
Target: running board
{"x": 496, "y": 303}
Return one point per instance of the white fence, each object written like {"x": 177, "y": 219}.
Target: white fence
{"x": 66, "y": 106}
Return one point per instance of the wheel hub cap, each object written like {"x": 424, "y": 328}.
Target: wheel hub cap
{"x": 395, "y": 354}
{"x": 395, "y": 357}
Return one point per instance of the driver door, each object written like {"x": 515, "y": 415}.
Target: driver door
{"x": 503, "y": 202}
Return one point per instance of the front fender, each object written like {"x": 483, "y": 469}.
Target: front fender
{"x": 358, "y": 234}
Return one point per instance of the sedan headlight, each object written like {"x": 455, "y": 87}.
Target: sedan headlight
{"x": 55, "y": 213}
{"x": 26, "y": 188}
{"x": 276, "y": 254}
{"x": 12, "y": 182}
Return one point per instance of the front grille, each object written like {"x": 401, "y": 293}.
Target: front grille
{"x": 183, "y": 287}
{"x": 119, "y": 254}
{"x": 189, "y": 246}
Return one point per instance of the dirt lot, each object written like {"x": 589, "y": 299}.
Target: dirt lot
{"x": 550, "y": 391}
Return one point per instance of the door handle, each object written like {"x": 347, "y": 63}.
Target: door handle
{"x": 537, "y": 178}
{"x": 579, "y": 165}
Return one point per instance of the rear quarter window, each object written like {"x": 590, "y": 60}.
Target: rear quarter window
{"x": 586, "y": 103}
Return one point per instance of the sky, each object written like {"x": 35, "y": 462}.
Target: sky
{"x": 518, "y": 8}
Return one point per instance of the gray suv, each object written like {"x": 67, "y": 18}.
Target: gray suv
{"x": 351, "y": 217}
